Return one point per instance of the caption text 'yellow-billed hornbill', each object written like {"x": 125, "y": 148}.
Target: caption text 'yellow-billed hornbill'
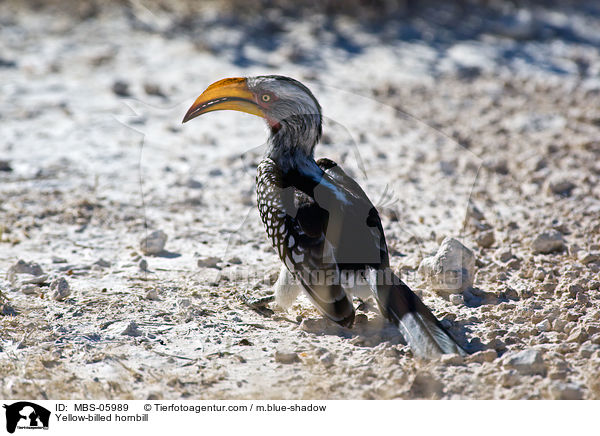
{"x": 326, "y": 230}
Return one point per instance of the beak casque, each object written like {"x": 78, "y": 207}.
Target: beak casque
{"x": 226, "y": 94}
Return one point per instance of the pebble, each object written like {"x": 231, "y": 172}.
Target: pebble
{"x": 30, "y": 289}
{"x": 25, "y": 273}
{"x": 286, "y": 357}
{"x": 121, "y": 88}
{"x": 313, "y": 325}
{"x": 451, "y": 270}
{"x": 4, "y": 164}
{"x": 425, "y": 385}
{"x": 154, "y": 243}
{"x": 327, "y": 359}
{"x": 360, "y": 319}
{"x": 22, "y": 267}
{"x": 7, "y": 310}
{"x": 586, "y": 257}
{"x": 504, "y": 255}
{"x": 582, "y": 298}
{"x": 152, "y": 294}
{"x": 485, "y": 239}
{"x": 539, "y": 275}
{"x": 452, "y": 359}
{"x": 566, "y": 391}
{"x": 544, "y": 326}
{"x": 60, "y": 288}
{"x": 561, "y": 186}
{"x": 483, "y": 356}
{"x": 153, "y": 89}
{"x": 457, "y": 299}
{"x": 209, "y": 262}
{"x": 578, "y": 335}
{"x": 132, "y": 330}
{"x": 143, "y": 265}
{"x": 102, "y": 263}
{"x": 548, "y": 242}
{"x": 527, "y": 362}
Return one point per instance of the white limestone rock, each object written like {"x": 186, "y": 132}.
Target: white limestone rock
{"x": 451, "y": 270}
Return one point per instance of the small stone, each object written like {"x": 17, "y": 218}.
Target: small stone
{"x": 56, "y": 259}
{"x": 132, "y": 330}
{"x": 510, "y": 378}
{"x": 60, "y": 288}
{"x": 321, "y": 350}
{"x": 593, "y": 285}
{"x": 582, "y": 298}
{"x": 485, "y": 239}
{"x": 425, "y": 385}
{"x": 561, "y": 186}
{"x": 102, "y": 263}
{"x": 451, "y": 270}
{"x": 143, "y": 265}
{"x": 504, "y": 255}
{"x": 153, "y": 89}
{"x": 209, "y": 262}
{"x": 235, "y": 261}
{"x": 154, "y": 243}
{"x": 24, "y": 273}
{"x": 4, "y": 164}
{"x": 7, "y": 310}
{"x": 30, "y": 289}
{"x": 184, "y": 302}
{"x": 574, "y": 289}
{"x": 152, "y": 294}
{"x": 452, "y": 359}
{"x": 527, "y": 362}
{"x": 543, "y": 326}
{"x": 121, "y": 88}
{"x": 457, "y": 299}
{"x": 483, "y": 356}
{"x": 539, "y": 275}
{"x": 586, "y": 257}
{"x": 566, "y": 391}
{"x": 548, "y": 242}
{"x": 578, "y": 335}
{"x": 318, "y": 325}
{"x": 22, "y": 267}
{"x": 511, "y": 293}
{"x": 587, "y": 350}
{"x": 327, "y": 359}
{"x": 360, "y": 319}
{"x": 286, "y": 358}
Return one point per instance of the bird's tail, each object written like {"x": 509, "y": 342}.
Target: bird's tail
{"x": 420, "y": 328}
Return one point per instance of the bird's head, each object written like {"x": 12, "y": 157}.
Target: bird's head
{"x": 291, "y": 111}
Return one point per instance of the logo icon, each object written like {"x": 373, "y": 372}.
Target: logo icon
{"x": 26, "y": 415}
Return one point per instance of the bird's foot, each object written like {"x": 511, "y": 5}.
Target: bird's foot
{"x": 258, "y": 304}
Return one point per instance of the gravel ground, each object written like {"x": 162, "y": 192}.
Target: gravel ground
{"x": 480, "y": 123}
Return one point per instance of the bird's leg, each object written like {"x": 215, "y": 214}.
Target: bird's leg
{"x": 286, "y": 288}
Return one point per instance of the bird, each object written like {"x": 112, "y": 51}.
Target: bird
{"x": 326, "y": 231}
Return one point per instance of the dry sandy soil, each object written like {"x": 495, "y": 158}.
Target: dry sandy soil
{"x": 94, "y": 159}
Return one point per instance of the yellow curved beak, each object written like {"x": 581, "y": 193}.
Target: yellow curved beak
{"x": 226, "y": 94}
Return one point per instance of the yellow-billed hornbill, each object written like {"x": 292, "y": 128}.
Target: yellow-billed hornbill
{"x": 325, "y": 229}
